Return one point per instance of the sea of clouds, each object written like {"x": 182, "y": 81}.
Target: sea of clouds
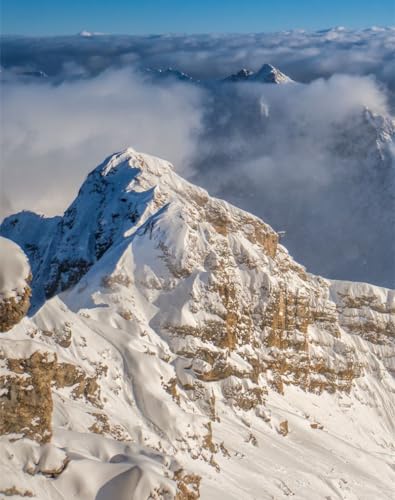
{"x": 303, "y": 157}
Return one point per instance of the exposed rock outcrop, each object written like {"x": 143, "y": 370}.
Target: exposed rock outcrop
{"x": 26, "y": 402}
{"x": 366, "y": 310}
{"x": 13, "y": 309}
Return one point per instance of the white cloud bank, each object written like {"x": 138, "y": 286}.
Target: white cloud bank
{"x": 308, "y": 158}
{"x": 52, "y": 135}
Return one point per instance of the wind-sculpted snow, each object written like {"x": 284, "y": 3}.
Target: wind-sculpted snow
{"x": 179, "y": 351}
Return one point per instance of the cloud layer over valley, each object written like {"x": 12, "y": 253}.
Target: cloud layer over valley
{"x": 315, "y": 158}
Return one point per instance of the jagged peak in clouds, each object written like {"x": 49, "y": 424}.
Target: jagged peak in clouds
{"x": 266, "y": 74}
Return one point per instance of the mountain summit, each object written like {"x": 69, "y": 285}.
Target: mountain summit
{"x": 266, "y": 74}
{"x": 176, "y": 350}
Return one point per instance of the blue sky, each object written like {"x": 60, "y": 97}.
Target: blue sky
{"x": 51, "y": 17}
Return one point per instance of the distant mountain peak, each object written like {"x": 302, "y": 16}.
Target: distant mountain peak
{"x": 169, "y": 73}
{"x": 89, "y": 34}
{"x": 270, "y": 74}
{"x": 266, "y": 74}
{"x": 85, "y": 33}
{"x": 244, "y": 73}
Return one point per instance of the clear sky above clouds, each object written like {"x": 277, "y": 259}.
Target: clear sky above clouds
{"x": 51, "y": 17}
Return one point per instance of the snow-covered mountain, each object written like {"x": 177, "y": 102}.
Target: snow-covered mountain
{"x": 175, "y": 349}
{"x": 266, "y": 74}
{"x": 168, "y": 74}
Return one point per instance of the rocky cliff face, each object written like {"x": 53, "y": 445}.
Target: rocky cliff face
{"x": 179, "y": 338}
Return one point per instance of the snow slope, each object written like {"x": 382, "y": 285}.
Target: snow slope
{"x": 174, "y": 347}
